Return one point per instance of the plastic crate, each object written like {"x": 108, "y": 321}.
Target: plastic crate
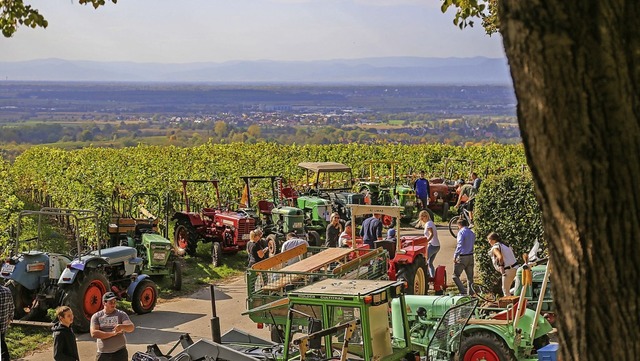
{"x": 548, "y": 353}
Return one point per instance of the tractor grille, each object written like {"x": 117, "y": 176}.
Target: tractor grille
{"x": 245, "y": 226}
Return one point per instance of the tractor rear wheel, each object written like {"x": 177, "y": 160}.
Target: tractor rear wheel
{"x": 144, "y": 297}
{"x": 185, "y": 238}
{"x": 415, "y": 275}
{"x": 84, "y": 298}
{"x": 176, "y": 275}
{"x": 216, "y": 254}
{"x": 20, "y": 298}
{"x": 485, "y": 346}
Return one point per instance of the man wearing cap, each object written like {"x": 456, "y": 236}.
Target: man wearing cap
{"x": 391, "y": 235}
{"x": 109, "y": 326}
{"x": 333, "y": 231}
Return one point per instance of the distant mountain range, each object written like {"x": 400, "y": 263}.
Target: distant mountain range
{"x": 387, "y": 70}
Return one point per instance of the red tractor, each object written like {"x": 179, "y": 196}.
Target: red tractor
{"x": 443, "y": 190}
{"x": 407, "y": 256}
{"x": 227, "y": 230}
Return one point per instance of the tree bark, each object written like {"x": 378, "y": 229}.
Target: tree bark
{"x": 576, "y": 72}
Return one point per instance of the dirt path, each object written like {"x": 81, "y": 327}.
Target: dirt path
{"x": 192, "y": 314}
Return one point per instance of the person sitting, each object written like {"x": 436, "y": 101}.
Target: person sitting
{"x": 391, "y": 235}
{"x": 345, "y": 236}
{"x": 293, "y": 241}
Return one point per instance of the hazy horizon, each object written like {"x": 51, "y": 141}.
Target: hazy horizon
{"x": 218, "y": 31}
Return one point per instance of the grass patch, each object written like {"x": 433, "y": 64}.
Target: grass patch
{"x": 23, "y": 340}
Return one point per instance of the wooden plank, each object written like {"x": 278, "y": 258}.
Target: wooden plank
{"x": 318, "y": 260}
{"x": 280, "y": 258}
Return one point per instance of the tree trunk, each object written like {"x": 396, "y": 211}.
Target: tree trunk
{"x": 576, "y": 72}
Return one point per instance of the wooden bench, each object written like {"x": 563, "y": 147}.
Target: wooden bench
{"x": 297, "y": 272}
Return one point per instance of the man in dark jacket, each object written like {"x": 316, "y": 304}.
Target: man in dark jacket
{"x": 371, "y": 230}
{"x": 64, "y": 340}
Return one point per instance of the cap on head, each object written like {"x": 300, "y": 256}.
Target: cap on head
{"x": 391, "y": 233}
{"x": 108, "y": 297}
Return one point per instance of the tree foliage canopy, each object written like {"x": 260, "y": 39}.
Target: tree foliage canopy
{"x": 467, "y": 10}
{"x": 15, "y": 13}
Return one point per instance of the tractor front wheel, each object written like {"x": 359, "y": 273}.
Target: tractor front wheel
{"x": 485, "y": 346}
{"x": 144, "y": 297}
{"x": 184, "y": 238}
{"x": 176, "y": 275}
{"x": 415, "y": 275}
{"x": 216, "y": 254}
{"x": 85, "y": 298}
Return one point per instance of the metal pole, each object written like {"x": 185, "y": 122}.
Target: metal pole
{"x": 541, "y": 298}
{"x": 215, "y": 321}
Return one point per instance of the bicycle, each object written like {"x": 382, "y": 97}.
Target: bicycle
{"x": 463, "y": 213}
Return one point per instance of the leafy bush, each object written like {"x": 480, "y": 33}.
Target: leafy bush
{"x": 506, "y": 204}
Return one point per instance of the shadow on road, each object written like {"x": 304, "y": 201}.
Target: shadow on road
{"x": 222, "y": 291}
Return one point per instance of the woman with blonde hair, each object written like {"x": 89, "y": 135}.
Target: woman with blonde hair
{"x": 431, "y": 232}
{"x": 256, "y": 249}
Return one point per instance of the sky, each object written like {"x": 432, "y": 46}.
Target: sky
{"x": 190, "y": 31}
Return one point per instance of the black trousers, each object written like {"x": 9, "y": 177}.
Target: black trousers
{"x": 120, "y": 355}
{"x": 5, "y": 351}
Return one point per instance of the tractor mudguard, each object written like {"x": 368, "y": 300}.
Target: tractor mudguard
{"x": 76, "y": 266}
{"x": 524, "y": 323}
{"x": 69, "y": 274}
{"x": 132, "y": 287}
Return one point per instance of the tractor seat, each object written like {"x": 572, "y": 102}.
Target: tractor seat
{"x": 143, "y": 228}
{"x": 265, "y": 207}
{"x": 290, "y": 195}
{"x": 510, "y": 313}
{"x": 387, "y": 245}
{"x": 117, "y": 254}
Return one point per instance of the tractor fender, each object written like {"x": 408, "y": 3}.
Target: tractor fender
{"x": 76, "y": 266}
{"x": 191, "y": 218}
{"x": 440, "y": 279}
{"x": 134, "y": 284}
{"x": 505, "y": 332}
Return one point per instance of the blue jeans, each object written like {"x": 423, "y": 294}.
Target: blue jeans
{"x": 432, "y": 251}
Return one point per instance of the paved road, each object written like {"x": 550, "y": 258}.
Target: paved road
{"x": 192, "y": 314}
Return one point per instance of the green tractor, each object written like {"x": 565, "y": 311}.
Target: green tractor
{"x": 133, "y": 225}
{"x": 388, "y": 190}
{"x": 276, "y": 216}
{"x": 328, "y": 189}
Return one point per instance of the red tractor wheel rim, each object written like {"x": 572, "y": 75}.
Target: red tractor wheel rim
{"x": 93, "y": 298}
{"x": 182, "y": 238}
{"x": 147, "y": 298}
{"x": 480, "y": 352}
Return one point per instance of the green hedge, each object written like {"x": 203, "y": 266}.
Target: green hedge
{"x": 506, "y": 204}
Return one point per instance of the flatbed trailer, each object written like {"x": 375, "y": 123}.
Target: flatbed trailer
{"x": 270, "y": 280}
